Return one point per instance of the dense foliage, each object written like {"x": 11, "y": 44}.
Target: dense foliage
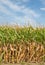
{"x": 18, "y": 44}
{"x": 18, "y": 34}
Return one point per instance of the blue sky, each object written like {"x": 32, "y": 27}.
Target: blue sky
{"x": 22, "y": 12}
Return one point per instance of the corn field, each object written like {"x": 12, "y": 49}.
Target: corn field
{"x": 22, "y": 44}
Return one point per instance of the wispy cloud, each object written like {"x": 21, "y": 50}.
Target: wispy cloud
{"x": 18, "y": 8}
{"x": 5, "y": 11}
{"x": 43, "y": 9}
{"x": 29, "y": 14}
{"x": 22, "y": 1}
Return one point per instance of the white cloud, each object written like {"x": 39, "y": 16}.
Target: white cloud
{"x": 43, "y": 9}
{"x": 28, "y": 13}
{"x": 4, "y": 10}
{"x": 22, "y": 0}
{"x": 22, "y": 9}
{"x": 11, "y": 5}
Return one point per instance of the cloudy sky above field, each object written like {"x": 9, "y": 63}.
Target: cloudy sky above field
{"x": 22, "y": 12}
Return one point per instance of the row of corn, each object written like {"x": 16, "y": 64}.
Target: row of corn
{"x": 22, "y": 44}
{"x": 17, "y": 34}
{"x": 15, "y": 53}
